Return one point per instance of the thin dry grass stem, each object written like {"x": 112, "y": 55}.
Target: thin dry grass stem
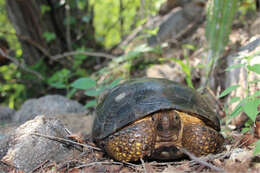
{"x": 66, "y": 140}
{"x": 202, "y": 162}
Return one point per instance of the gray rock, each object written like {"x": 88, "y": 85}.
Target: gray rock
{"x": 48, "y": 106}
{"x": 169, "y": 71}
{"x": 4, "y": 142}
{"x": 173, "y": 24}
{"x": 27, "y": 151}
{"x": 6, "y": 114}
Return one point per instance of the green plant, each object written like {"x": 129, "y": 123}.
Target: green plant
{"x": 249, "y": 104}
{"x": 92, "y": 88}
{"x": 220, "y": 16}
{"x": 10, "y": 90}
{"x": 60, "y": 79}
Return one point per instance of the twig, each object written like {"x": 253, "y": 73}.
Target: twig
{"x": 215, "y": 98}
{"x": 200, "y": 161}
{"x": 22, "y": 65}
{"x": 95, "y": 163}
{"x": 96, "y": 54}
{"x": 66, "y": 140}
{"x": 30, "y": 41}
{"x": 143, "y": 164}
{"x": 40, "y": 166}
{"x": 59, "y": 56}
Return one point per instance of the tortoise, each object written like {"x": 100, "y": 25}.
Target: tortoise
{"x": 155, "y": 118}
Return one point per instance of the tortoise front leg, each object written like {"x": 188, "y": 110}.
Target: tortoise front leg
{"x": 132, "y": 142}
{"x": 201, "y": 139}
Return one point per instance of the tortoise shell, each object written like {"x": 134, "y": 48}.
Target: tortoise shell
{"x": 137, "y": 98}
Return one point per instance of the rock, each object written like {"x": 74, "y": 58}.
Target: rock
{"x": 241, "y": 155}
{"x": 254, "y": 29}
{"x": 1, "y": 136}
{"x": 77, "y": 123}
{"x": 169, "y": 71}
{"x": 239, "y": 76}
{"x": 47, "y": 105}
{"x": 170, "y": 4}
{"x": 27, "y": 151}
{"x": 173, "y": 24}
{"x": 4, "y": 139}
{"x": 6, "y": 114}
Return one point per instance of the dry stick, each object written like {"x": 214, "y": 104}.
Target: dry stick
{"x": 22, "y": 65}
{"x": 56, "y": 57}
{"x": 95, "y": 163}
{"x": 97, "y": 54}
{"x": 202, "y": 162}
{"x": 66, "y": 140}
{"x": 30, "y": 41}
{"x": 145, "y": 171}
{"x": 215, "y": 98}
{"x": 40, "y": 166}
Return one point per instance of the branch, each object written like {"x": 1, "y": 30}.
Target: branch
{"x": 202, "y": 162}
{"x": 59, "y": 56}
{"x": 21, "y": 65}
{"x": 96, "y": 54}
{"x": 66, "y": 140}
{"x": 30, "y": 41}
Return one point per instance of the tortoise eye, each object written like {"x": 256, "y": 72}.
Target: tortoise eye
{"x": 176, "y": 116}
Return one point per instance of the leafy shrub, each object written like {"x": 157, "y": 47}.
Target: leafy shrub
{"x": 249, "y": 104}
{"x": 93, "y": 89}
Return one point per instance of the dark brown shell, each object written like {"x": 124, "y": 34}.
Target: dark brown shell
{"x": 137, "y": 98}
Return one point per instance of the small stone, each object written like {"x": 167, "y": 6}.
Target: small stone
{"x": 27, "y": 151}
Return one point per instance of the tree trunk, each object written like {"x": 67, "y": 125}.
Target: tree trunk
{"x": 34, "y": 20}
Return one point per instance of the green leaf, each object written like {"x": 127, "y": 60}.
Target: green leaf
{"x": 58, "y": 85}
{"x": 254, "y": 81}
{"x": 86, "y": 19}
{"x": 189, "y": 46}
{"x": 59, "y": 79}
{"x": 246, "y": 129}
{"x": 256, "y": 94}
{"x": 236, "y": 111}
{"x": 45, "y": 8}
{"x": 70, "y": 20}
{"x": 234, "y": 66}
{"x": 115, "y": 82}
{"x": 250, "y": 108}
{"x": 185, "y": 68}
{"x": 92, "y": 93}
{"x": 49, "y": 36}
{"x": 233, "y": 100}
{"x": 92, "y": 103}
{"x": 257, "y": 147}
{"x": 228, "y": 90}
{"x": 84, "y": 83}
{"x": 255, "y": 68}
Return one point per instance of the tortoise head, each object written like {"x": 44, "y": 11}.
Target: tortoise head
{"x": 168, "y": 129}
{"x": 168, "y": 126}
